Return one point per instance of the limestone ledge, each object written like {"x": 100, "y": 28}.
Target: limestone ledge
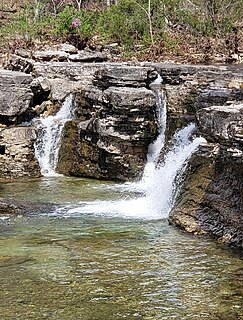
{"x": 17, "y": 152}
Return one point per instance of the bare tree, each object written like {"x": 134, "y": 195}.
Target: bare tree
{"x": 110, "y": 2}
{"x": 149, "y": 16}
{"x": 78, "y": 3}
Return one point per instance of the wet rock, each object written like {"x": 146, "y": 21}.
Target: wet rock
{"x": 111, "y": 139}
{"x": 46, "y": 108}
{"x": 17, "y": 156}
{"x": 199, "y": 175}
{"x": 15, "y": 92}
{"x": 8, "y": 207}
{"x": 11, "y": 208}
{"x": 211, "y": 200}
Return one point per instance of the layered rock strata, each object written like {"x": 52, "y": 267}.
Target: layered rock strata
{"x": 115, "y": 125}
{"x": 17, "y": 157}
{"x": 115, "y": 122}
{"x": 211, "y": 200}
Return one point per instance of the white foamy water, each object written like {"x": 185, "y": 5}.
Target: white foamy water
{"x": 150, "y": 198}
{"x": 49, "y": 137}
{"x": 157, "y": 191}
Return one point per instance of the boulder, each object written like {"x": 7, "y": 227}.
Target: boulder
{"x": 15, "y": 92}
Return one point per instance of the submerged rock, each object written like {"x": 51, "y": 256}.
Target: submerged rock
{"x": 10, "y": 207}
{"x": 6, "y": 261}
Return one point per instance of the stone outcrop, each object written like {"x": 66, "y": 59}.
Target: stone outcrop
{"x": 15, "y": 93}
{"x": 24, "y": 60}
{"x": 192, "y": 87}
{"x": 223, "y": 124}
{"x": 115, "y": 125}
{"x": 211, "y": 200}
{"x": 115, "y": 122}
{"x": 17, "y": 157}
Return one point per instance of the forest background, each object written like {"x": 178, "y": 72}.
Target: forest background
{"x": 181, "y": 30}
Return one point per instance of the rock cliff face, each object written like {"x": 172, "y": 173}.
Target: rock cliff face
{"x": 211, "y": 200}
{"x": 115, "y": 125}
{"x": 16, "y": 142}
{"x": 115, "y": 122}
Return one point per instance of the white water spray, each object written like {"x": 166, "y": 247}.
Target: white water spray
{"x": 157, "y": 145}
{"x": 157, "y": 191}
{"x": 157, "y": 188}
{"x": 49, "y": 137}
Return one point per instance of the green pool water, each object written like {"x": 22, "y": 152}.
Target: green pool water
{"x": 92, "y": 266}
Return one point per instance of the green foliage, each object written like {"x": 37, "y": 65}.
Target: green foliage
{"x": 132, "y": 23}
{"x": 123, "y": 23}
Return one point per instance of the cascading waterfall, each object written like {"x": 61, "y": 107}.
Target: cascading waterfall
{"x": 158, "y": 186}
{"x": 156, "y": 146}
{"x": 49, "y": 137}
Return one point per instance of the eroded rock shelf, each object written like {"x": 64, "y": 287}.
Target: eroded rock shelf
{"x": 115, "y": 122}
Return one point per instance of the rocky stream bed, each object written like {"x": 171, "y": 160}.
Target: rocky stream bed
{"x": 115, "y": 122}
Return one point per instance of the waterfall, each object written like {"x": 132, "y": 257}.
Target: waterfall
{"x": 49, "y": 137}
{"x": 155, "y": 193}
{"x": 162, "y": 186}
{"x": 156, "y": 146}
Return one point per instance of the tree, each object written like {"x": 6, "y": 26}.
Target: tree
{"x": 149, "y": 16}
{"x": 78, "y": 3}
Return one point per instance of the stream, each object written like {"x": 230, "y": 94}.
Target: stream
{"x": 95, "y": 250}
{"x": 93, "y": 266}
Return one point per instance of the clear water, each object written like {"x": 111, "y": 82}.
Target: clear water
{"x": 55, "y": 265}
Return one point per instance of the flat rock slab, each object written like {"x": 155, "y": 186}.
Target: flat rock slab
{"x": 131, "y": 98}
{"x": 124, "y": 75}
{"x": 222, "y": 122}
{"x": 15, "y": 92}
{"x": 86, "y": 56}
{"x": 75, "y": 71}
